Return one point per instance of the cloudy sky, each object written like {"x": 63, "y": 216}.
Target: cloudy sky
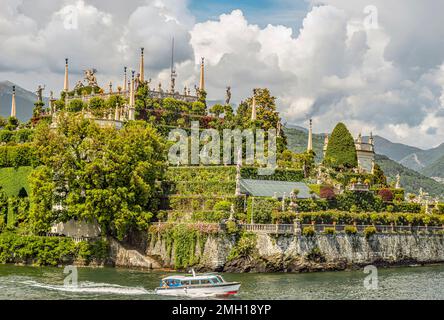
{"x": 377, "y": 68}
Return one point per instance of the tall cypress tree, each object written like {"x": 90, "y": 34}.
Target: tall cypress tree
{"x": 341, "y": 150}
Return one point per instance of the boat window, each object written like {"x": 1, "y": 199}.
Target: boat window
{"x": 194, "y": 282}
{"x": 205, "y": 281}
{"x": 214, "y": 280}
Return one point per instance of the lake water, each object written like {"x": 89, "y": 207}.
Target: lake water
{"x": 108, "y": 283}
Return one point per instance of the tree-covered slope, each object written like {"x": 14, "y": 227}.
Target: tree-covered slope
{"x": 411, "y": 180}
{"x": 436, "y": 169}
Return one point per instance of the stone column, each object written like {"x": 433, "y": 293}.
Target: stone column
{"x": 13, "y": 105}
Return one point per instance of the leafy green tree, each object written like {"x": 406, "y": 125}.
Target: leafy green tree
{"x": 75, "y": 105}
{"x": 341, "y": 150}
{"x": 96, "y": 103}
{"x": 3, "y": 122}
{"x": 379, "y": 176}
{"x": 109, "y": 175}
{"x": 217, "y": 110}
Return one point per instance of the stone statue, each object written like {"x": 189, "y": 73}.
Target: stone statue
{"x": 39, "y": 93}
{"x": 398, "y": 181}
{"x": 90, "y": 77}
{"x": 160, "y": 88}
{"x": 228, "y": 96}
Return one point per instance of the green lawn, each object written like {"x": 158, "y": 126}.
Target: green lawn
{"x": 12, "y": 180}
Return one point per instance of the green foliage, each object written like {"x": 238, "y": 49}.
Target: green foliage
{"x": 201, "y": 174}
{"x": 341, "y": 151}
{"x": 412, "y": 181}
{"x": 17, "y": 156}
{"x": 369, "y": 232}
{"x": 261, "y": 209}
{"x": 350, "y": 230}
{"x": 385, "y": 218}
{"x": 329, "y": 231}
{"x": 183, "y": 240}
{"x": 48, "y": 251}
{"x": 110, "y": 174}
{"x": 279, "y": 174}
{"x": 200, "y": 187}
{"x": 379, "y": 177}
{"x": 76, "y": 105}
{"x": 232, "y": 227}
{"x": 13, "y": 180}
{"x": 246, "y": 246}
{"x": 308, "y": 231}
{"x": 223, "y": 206}
{"x": 209, "y": 216}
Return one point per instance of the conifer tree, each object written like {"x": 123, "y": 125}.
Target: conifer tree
{"x": 341, "y": 150}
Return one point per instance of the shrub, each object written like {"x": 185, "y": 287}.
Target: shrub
{"x": 386, "y": 195}
{"x": 350, "y": 230}
{"x": 222, "y": 206}
{"x": 231, "y": 227}
{"x": 369, "y": 231}
{"x": 308, "y": 231}
{"x": 244, "y": 247}
{"x": 329, "y": 231}
{"x": 327, "y": 193}
{"x": 75, "y": 105}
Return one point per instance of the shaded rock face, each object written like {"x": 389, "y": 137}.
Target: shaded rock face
{"x": 309, "y": 254}
{"x": 130, "y": 258}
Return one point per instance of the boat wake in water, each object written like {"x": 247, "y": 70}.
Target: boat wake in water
{"x": 91, "y": 288}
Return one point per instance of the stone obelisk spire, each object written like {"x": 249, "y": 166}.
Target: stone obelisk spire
{"x": 253, "y": 107}
{"x": 142, "y": 66}
{"x": 202, "y": 76}
{"x": 66, "y": 85}
{"x": 13, "y": 105}
{"x": 310, "y": 137}
{"x": 131, "y": 111}
{"x": 125, "y": 79}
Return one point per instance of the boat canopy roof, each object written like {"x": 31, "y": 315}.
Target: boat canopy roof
{"x": 191, "y": 277}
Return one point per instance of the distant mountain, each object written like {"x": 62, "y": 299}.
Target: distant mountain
{"x": 411, "y": 180}
{"x": 435, "y": 169}
{"x": 24, "y": 100}
{"x": 395, "y": 151}
{"x": 297, "y": 139}
{"x": 419, "y": 161}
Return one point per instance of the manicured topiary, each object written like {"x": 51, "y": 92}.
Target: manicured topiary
{"x": 341, "y": 150}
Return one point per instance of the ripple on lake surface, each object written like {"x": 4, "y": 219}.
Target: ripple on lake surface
{"x": 395, "y": 283}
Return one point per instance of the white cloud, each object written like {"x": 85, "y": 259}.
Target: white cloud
{"x": 389, "y": 80}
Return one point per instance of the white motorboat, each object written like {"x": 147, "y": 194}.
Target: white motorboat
{"x": 209, "y": 284}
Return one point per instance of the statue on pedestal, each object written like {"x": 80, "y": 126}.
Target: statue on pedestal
{"x": 228, "y": 96}
{"x": 39, "y": 93}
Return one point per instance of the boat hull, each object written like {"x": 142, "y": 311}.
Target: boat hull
{"x": 226, "y": 289}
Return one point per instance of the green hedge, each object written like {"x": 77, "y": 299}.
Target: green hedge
{"x": 12, "y": 180}
{"x": 51, "y": 251}
{"x": 201, "y": 174}
{"x": 199, "y": 188}
{"x": 278, "y": 175}
{"x": 347, "y": 218}
{"x": 17, "y": 156}
{"x": 202, "y": 202}
{"x": 17, "y": 136}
